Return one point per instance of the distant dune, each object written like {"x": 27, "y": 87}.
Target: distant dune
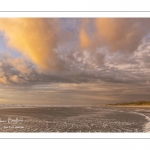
{"x": 138, "y": 103}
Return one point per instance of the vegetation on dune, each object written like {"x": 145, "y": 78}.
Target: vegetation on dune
{"x": 133, "y": 103}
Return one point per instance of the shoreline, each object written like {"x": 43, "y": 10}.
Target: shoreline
{"x": 106, "y": 106}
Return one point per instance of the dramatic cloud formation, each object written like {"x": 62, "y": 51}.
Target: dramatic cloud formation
{"x": 75, "y": 61}
{"x": 122, "y": 34}
{"x": 116, "y": 34}
{"x": 35, "y": 38}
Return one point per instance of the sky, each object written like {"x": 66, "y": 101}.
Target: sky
{"x": 74, "y": 61}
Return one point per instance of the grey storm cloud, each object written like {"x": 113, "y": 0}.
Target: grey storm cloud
{"x": 105, "y": 59}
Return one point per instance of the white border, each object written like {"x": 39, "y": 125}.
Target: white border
{"x": 75, "y": 14}
{"x": 74, "y": 5}
{"x": 76, "y": 135}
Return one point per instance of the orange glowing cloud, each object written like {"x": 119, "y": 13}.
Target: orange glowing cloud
{"x": 34, "y": 38}
{"x": 84, "y": 40}
{"x": 83, "y": 36}
{"x": 121, "y": 34}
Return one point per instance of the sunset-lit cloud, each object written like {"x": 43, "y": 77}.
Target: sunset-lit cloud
{"x": 14, "y": 78}
{"x": 3, "y": 79}
{"x": 85, "y": 41}
{"x": 89, "y": 60}
{"x": 34, "y": 38}
{"x": 121, "y": 34}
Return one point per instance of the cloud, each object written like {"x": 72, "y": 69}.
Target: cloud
{"x": 19, "y": 64}
{"x": 14, "y": 78}
{"x": 121, "y": 34}
{"x": 90, "y": 60}
{"x": 116, "y": 34}
{"x": 3, "y": 79}
{"x": 81, "y": 64}
{"x": 14, "y": 70}
{"x": 84, "y": 40}
{"x": 35, "y": 38}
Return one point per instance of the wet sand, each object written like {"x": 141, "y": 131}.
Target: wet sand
{"x": 72, "y": 119}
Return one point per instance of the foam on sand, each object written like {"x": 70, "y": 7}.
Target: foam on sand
{"x": 147, "y": 125}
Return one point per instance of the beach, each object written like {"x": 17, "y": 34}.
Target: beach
{"x": 74, "y": 119}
